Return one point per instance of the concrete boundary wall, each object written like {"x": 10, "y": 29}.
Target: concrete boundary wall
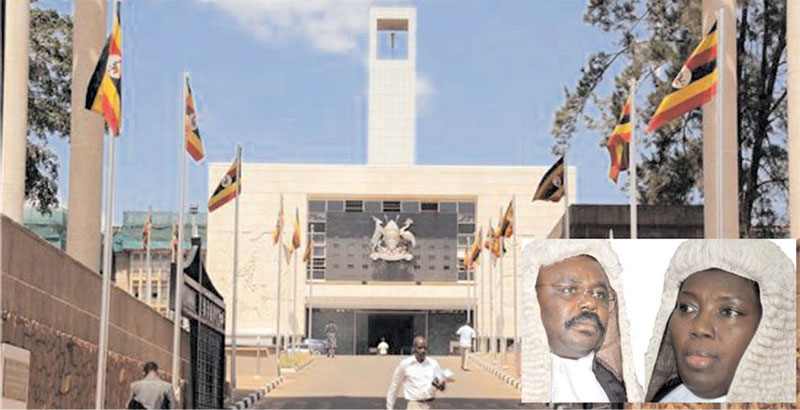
{"x": 51, "y": 306}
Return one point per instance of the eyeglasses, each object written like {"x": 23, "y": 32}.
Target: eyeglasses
{"x": 603, "y": 296}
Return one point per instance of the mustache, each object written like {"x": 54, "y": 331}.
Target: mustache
{"x": 586, "y": 317}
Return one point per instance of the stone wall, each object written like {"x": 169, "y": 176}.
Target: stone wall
{"x": 51, "y": 306}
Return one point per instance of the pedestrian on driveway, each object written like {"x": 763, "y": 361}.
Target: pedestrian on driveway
{"x": 465, "y": 335}
{"x": 420, "y": 376}
{"x": 330, "y": 335}
{"x": 151, "y": 392}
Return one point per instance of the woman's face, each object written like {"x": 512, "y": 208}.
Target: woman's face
{"x": 714, "y": 319}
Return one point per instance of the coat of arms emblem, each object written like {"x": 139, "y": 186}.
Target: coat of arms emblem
{"x": 390, "y": 242}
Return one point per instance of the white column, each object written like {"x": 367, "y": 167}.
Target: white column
{"x": 793, "y": 115}
{"x": 15, "y": 108}
{"x": 721, "y": 210}
{"x": 86, "y": 137}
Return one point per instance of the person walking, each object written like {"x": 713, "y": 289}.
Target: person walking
{"x": 330, "y": 335}
{"x": 383, "y": 347}
{"x": 465, "y": 335}
{"x": 151, "y": 392}
{"x": 420, "y": 376}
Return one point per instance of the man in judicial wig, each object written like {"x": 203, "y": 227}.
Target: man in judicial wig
{"x": 725, "y": 331}
{"x": 576, "y": 346}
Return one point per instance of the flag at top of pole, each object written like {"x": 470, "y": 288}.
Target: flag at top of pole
{"x": 228, "y": 188}
{"x": 551, "y": 187}
{"x": 276, "y": 233}
{"x": 104, "y": 95}
{"x": 618, "y": 142}
{"x": 695, "y": 84}
{"x": 296, "y": 242}
{"x": 146, "y": 231}
{"x": 507, "y": 222}
{"x": 194, "y": 145}
{"x": 474, "y": 250}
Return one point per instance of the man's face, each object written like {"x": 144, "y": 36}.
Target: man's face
{"x": 574, "y": 298}
{"x": 716, "y": 315}
{"x": 420, "y": 348}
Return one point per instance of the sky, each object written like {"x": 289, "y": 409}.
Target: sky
{"x": 288, "y": 80}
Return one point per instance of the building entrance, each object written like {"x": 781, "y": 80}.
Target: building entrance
{"x": 398, "y": 329}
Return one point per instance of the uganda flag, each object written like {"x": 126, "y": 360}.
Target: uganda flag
{"x": 276, "y": 233}
{"x": 296, "y": 235}
{"x": 104, "y": 95}
{"x": 194, "y": 145}
{"x": 307, "y": 252}
{"x": 507, "y": 222}
{"x": 474, "y": 250}
{"x": 228, "y": 188}
{"x": 695, "y": 84}
{"x": 551, "y": 187}
{"x": 146, "y": 231}
{"x": 618, "y": 142}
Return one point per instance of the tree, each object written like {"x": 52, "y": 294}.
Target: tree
{"x": 49, "y": 103}
{"x": 654, "y": 39}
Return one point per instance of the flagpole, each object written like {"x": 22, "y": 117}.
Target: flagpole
{"x": 278, "y": 290}
{"x": 235, "y": 273}
{"x": 177, "y": 316}
{"x": 311, "y": 281}
{"x": 492, "y": 324}
{"x": 502, "y": 323}
{"x": 105, "y": 292}
{"x": 466, "y": 268}
{"x": 102, "y": 346}
{"x": 514, "y": 262}
{"x": 566, "y": 196}
{"x": 720, "y": 118}
{"x": 149, "y": 265}
{"x": 484, "y": 332}
{"x": 294, "y": 298}
{"x": 632, "y": 162}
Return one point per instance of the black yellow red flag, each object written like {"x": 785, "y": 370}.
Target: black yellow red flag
{"x": 695, "y": 84}
{"x": 507, "y": 222}
{"x": 194, "y": 145}
{"x": 104, "y": 95}
{"x": 296, "y": 235}
{"x": 551, "y": 187}
{"x": 619, "y": 141}
{"x": 228, "y": 188}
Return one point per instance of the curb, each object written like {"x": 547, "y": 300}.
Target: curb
{"x": 257, "y": 395}
{"x": 260, "y": 393}
{"x": 505, "y": 377}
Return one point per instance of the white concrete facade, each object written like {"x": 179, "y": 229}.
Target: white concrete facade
{"x": 491, "y": 188}
{"x": 391, "y": 125}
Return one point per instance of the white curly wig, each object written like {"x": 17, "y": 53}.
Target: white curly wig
{"x": 615, "y": 352}
{"x": 766, "y": 372}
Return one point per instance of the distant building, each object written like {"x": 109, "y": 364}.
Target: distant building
{"x": 52, "y": 228}
{"x": 130, "y": 257}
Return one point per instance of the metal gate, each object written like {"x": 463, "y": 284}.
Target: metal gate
{"x": 204, "y": 308}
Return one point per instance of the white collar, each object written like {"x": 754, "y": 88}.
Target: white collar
{"x": 682, "y": 394}
{"x": 573, "y": 381}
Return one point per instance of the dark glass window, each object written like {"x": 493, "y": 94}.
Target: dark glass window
{"x": 466, "y": 228}
{"x": 410, "y": 207}
{"x": 316, "y": 206}
{"x": 353, "y": 206}
{"x": 447, "y": 207}
{"x": 372, "y": 206}
{"x": 335, "y": 206}
{"x": 391, "y": 206}
{"x": 466, "y": 207}
{"x": 430, "y": 207}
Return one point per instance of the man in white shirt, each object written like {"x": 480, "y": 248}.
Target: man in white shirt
{"x": 420, "y": 377}
{"x": 383, "y": 347}
{"x": 465, "y": 335}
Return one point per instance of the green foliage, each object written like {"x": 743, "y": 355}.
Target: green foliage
{"x": 49, "y": 100}
{"x": 654, "y": 38}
